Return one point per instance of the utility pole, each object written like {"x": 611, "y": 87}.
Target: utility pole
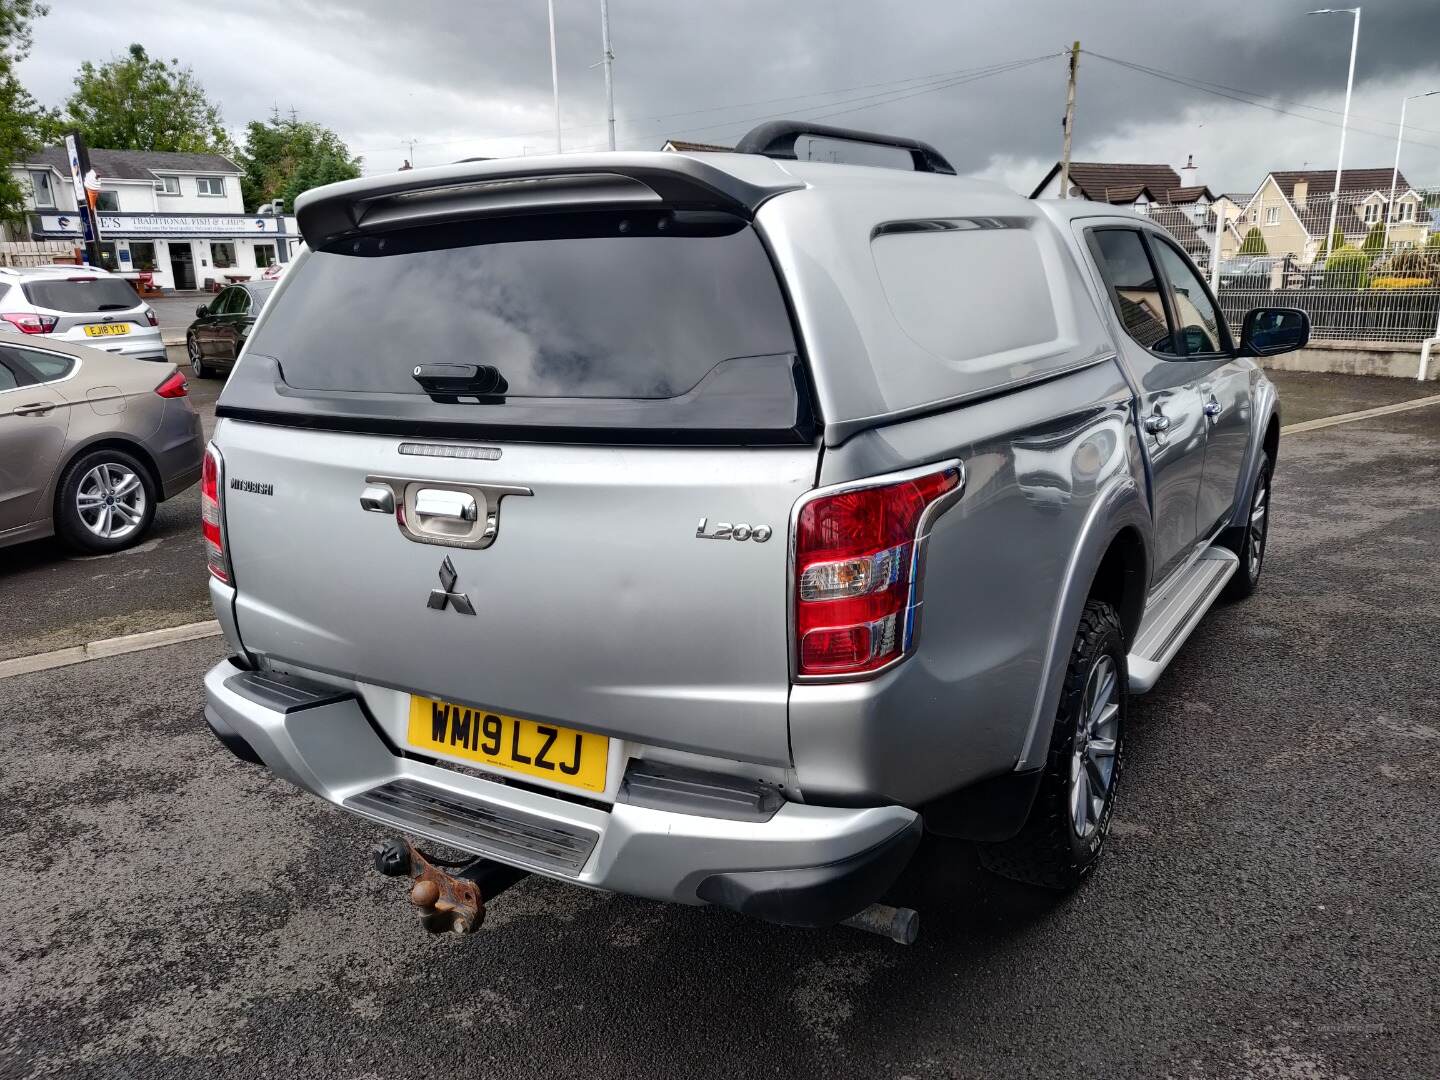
{"x": 609, "y": 60}
{"x": 1069, "y": 121}
{"x": 555, "y": 75}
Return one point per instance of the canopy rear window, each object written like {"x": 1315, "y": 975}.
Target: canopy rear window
{"x": 661, "y": 319}
{"x": 82, "y": 294}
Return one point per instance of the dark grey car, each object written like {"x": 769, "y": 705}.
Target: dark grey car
{"x": 214, "y": 340}
{"x": 90, "y": 443}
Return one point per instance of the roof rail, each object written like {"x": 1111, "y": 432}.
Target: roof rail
{"x": 777, "y": 138}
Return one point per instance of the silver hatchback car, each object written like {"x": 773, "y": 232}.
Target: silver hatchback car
{"x": 79, "y": 304}
{"x": 89, "y": 444}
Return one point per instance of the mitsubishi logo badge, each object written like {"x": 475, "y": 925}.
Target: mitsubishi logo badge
{"x": 446, "y": 596}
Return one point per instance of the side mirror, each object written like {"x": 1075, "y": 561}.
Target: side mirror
{"x": 202, "y": 311}
{"x": 1268, "y": 331}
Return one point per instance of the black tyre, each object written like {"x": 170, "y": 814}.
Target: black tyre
{"x": 1065, "y": 833}
{"x": 106, "y": 502}
{"x": 1249, "y": 541}
{"x": 201, "y": 369}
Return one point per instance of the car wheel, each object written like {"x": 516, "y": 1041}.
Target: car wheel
{"x": 1065, "y": 833}
{"x": 197, "y": 364}
{"x": 106, "y": 502}
{"x": 1249, "y": 541}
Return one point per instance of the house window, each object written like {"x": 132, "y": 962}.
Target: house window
{"x": 44, "y": 193}
{"x": 264, "y": 255}
{"x": 1407, "y": 211}
{"x": 107, "y": 201}
{"x": 142, "y": 254}
{"x": 1372, "y": 213}
{"x": 169, "y": 185}
{"x": 1272, "y": 215}
{"x": 210, "y": 185}
{"x": 222, "y": 255}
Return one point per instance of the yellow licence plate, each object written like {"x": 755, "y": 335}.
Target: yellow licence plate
{"x": 577, "y": 758}
{"x": 107, "y": 329}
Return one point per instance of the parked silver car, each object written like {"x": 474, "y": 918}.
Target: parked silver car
{"x": 614, "y": 488}
{"x": 80, "y": 305}
{"x": 90, "y": 444}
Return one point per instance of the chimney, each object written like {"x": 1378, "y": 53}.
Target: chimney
{"x": 1302, "y": 189}
{"x": 1189, "y": 172}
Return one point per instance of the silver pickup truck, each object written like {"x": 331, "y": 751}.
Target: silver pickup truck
{"x": 706, "y": 527}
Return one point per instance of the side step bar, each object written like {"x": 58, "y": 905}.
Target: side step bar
{"x": 1170, "y": 618}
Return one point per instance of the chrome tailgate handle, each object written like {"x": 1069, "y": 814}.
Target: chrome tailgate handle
{"x": 442, "y": 503}
{"x": 377, "y": 499}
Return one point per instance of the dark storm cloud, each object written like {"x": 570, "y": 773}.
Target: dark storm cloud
{"x": 456, "y": 76}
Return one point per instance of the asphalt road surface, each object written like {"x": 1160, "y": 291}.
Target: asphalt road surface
{"x": 1269, "y": 906}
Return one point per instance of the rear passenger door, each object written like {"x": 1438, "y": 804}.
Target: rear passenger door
{"x": 1224, "y": 383}
{"x": 1172, "y": 418}
{"x": 34, "y": 419}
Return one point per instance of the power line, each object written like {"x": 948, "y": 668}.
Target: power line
{"x": 1208, "y": 89}
{"x": 940, "y": 81}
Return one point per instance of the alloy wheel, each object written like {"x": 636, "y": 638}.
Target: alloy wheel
{"x": 1092, "y": 765}
{"x": 110, "y": 501}
{"x": 1258, "y": 525}
{"x": 192, "y": 349}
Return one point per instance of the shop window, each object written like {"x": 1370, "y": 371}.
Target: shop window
{"x": 222, "y": 255}
{"x": 44, "y": 193}
{"x": 264, "y": 255}
{"x": 107, "y": 202}
{"x": 168, "y": 185}
{"x": 210, "y": 185}
{"x": 142, "y": 254}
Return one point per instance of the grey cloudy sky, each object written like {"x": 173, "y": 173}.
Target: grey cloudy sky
{"x": 472, "y": 77}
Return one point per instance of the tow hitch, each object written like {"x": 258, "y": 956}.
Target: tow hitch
{"x": 448, "y": 903}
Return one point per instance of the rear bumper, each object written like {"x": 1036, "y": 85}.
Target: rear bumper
{"x": 178, "y": 447}
{"x": 143, "y": 347}
{"x": 801, "y": 865}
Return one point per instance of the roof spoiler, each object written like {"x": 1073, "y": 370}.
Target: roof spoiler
{"x": 777, "y": 139}
{"x": 535, "y": 185}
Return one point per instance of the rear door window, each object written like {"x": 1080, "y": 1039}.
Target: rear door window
{"x": 45, "y": 367}
{"x": 1135, "y": 288}
{"x": 583, "y": 306}
{"x": 81, "y": 294}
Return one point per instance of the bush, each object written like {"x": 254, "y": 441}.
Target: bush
{"x": 1346, "y": 268}
{"x": 1412, "y": 263}
{"x": 1375, "y": 239}
{"x": 1399, "y": 282}
{"x": 1254, "y": 243}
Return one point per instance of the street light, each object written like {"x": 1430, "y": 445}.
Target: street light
{"x": 1345, "y": 120}
{"x": 1395, "y": 172}
{"x": 554, "y": 74}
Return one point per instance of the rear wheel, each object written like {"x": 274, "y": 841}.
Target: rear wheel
{"x": 201, "y": 369}
{"x": 1248, "y": 541}
{"x": 1065, "y": 833}
{"x": 106, "y": 502}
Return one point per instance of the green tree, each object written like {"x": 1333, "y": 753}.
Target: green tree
{"x": 285, "y": 156}
{"x": 134, "y": 102}
{"x": 1254, "y": 243}
{"x": 1347, "y": 268}
{"x": 1375, "y": 239}
{"x": 24, "y": 125}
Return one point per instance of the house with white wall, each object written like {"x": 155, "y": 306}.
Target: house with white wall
{"x": 177, "y": 216}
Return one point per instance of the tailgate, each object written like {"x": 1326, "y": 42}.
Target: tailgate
{"x": 596, "y": 606}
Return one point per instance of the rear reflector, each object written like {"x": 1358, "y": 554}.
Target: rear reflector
{"x": 29, "y": 323}
{"x": 174, "y": 386}
{"x": 858, "y": 563}
{"x": 212, "y": 514}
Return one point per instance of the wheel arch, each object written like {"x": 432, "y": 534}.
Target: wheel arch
{"x": 106, "y": 442}
{"x": 1121, "y": 578}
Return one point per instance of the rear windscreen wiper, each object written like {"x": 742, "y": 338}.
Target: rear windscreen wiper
{"x": 450, "y": 382}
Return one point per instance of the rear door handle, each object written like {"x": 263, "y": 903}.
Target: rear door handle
{"x": 1212, "y": 407}
{"x": 37, "y": 408}
{"x": 1157, "y": 422}
{"x": 440, "y": 503}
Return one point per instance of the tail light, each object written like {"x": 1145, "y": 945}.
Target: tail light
{"x": 858, "y": 560}
{"x": 174, "y": 386}
{"x": 28, "y": 323}
{"x": 150, "y": 317}
{"x": 212, "y": 514}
